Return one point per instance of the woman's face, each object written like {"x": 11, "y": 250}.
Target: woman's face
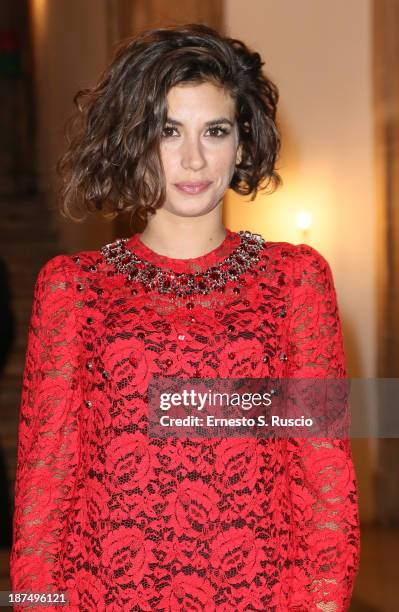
{"x": 199, "y": 148}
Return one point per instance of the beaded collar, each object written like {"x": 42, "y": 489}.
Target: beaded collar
{"x": 150, "y": 276}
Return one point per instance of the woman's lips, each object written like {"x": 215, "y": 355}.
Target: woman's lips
{"x": 193, "y": 188}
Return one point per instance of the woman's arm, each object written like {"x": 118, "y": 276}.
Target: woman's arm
{"x": 325, "y": 527}
{"x": 48, "y": 434}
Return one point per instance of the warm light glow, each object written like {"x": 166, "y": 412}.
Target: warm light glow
{"x": 38, "y": 7}
{"x": 303, "y": 220}
{"x": 38, "y": 10}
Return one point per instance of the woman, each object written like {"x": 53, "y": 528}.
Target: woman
{"x": 116, "y": 518}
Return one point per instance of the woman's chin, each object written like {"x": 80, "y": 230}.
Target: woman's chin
{"x": 190, "y": 208}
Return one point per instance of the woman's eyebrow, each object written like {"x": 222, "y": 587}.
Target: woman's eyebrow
{"x": 218, "y": 120}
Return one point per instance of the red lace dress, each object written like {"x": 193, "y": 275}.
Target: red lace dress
{"x": 123, "y": 521}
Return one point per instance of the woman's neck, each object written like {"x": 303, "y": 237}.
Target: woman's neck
{"x": 183, "y": 237}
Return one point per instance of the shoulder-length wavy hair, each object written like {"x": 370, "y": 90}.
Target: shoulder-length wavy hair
{"x": 112, "y": 162}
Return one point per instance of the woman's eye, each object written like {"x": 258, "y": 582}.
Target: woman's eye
{"x": 166, "y": 131}
{"x": 217, "y": 128}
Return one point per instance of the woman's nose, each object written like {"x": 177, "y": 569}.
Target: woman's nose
{"x": 193, "y": 155}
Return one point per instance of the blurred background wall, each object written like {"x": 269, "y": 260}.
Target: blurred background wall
{"x": 336, "y": 66}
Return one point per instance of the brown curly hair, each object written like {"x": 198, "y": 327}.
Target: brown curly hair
{"x": 113, "y": 162}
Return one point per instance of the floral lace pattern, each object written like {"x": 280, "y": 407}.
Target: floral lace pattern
{"x": 122, "y": 521}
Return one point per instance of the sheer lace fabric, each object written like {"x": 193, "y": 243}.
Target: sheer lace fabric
{"x": 122, "y": 521}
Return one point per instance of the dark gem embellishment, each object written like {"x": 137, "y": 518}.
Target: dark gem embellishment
{"x": 182, "y": 284}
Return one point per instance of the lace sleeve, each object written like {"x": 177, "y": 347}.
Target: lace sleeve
{"x": 47, "y": 454}
{"x": 322, "y": 480}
